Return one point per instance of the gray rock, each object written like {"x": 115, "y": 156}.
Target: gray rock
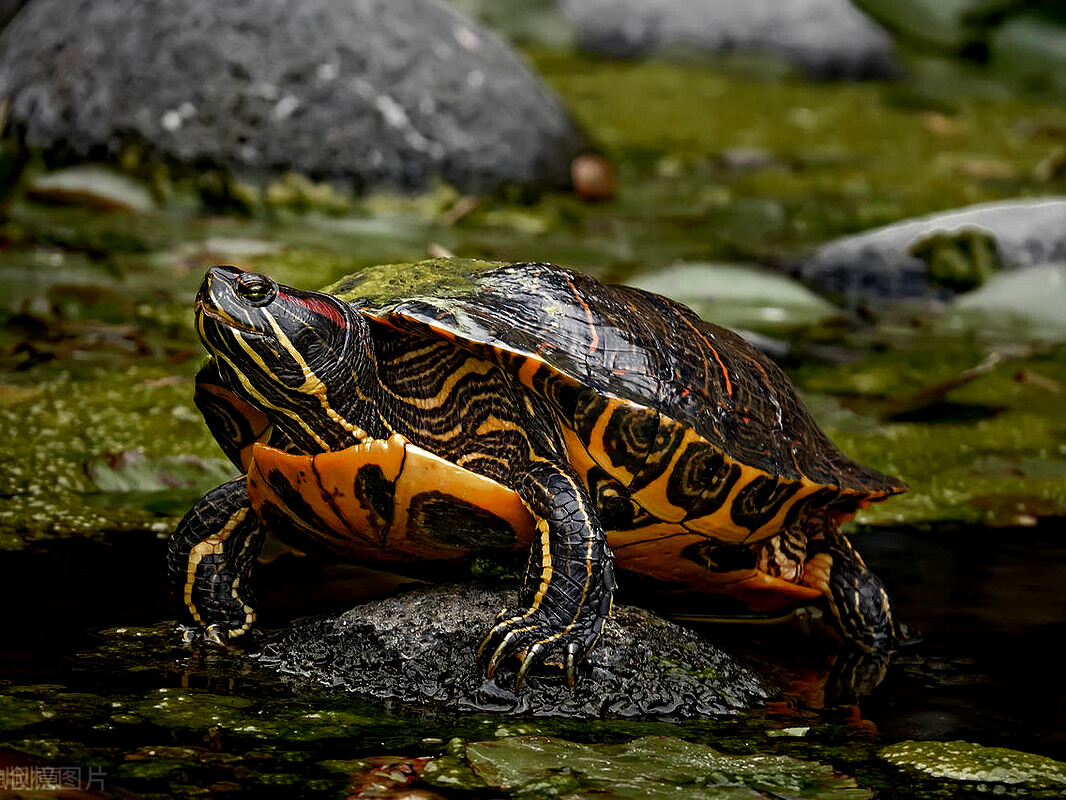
{"x": 882, "y": 263}
{"x": 827, "y": 38}
{"x": 420, "y": 648}
{"x": 8, "y": 9}
{"x": 362, "y": 93}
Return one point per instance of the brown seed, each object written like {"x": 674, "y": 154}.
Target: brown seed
{"x": 593, "y": 177}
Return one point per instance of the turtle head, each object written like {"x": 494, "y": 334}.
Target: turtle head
{"x": 304, "y": 359}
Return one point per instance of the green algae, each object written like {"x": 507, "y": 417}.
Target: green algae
{"x": 60, "y": 429}
{"x": 278, "y": 719}
{"x": 388, "y": 283}
{"x": 992, "y": 768}
{"x": 27, "y": 706}
{"x": 989, "y": 451}
{"x": 960, "y": 261}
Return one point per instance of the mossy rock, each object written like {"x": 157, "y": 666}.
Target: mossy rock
{"x": 997, "y": 770}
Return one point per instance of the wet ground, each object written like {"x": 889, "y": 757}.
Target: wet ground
{"x": 102, "y": 449}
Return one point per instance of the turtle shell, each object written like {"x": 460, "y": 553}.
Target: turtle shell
{"x": 654, "y": 393}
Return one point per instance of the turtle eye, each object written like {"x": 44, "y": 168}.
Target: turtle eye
{"x": 255, "y": 289}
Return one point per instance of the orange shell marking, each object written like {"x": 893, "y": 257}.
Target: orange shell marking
{"x": 349, "y": 520}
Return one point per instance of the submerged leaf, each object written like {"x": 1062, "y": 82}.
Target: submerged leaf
{"x": 136, "y": 471}
{"x": 1036, "y": 296}
{"x": 652, "y": 767}
{"x": 92, "y": 187}
{"x": 738, "y": 295}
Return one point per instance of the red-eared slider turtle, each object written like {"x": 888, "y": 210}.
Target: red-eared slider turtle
{"x": 431, "y": 412}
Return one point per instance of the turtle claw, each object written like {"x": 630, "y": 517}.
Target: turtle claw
{"x": 527, "y": 662}
{"x": 190, "y": 634}
{"x": 215, "y": 635}
{"x": 532, "y": 638}
{"x": 498, "y": 654}
{"x": 571, "y": 663}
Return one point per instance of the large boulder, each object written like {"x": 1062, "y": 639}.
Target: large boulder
{"x": 420, "y": 648}
{"x": 363, "y": 92}
{"x": 827, "y": 38}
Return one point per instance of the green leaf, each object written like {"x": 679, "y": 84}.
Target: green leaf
{"x": 651, "y": 767}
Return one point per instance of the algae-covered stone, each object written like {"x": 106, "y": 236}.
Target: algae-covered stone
{"x": 973, "y": 763}
{"x": 1020, "y": 39}
{"x": 1032, "y": 46}
{"x": 960, "y": 248}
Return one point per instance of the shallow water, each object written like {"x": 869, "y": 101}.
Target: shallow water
{"x": 984, "y": 601}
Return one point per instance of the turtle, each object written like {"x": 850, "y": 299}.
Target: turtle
{"x": 416, "y": 417}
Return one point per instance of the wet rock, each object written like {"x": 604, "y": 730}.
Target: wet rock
{"x": 420, "y": 648}
{"x": 995, "y": 770}
{"x": 363, "y": 94}
{"x": 826, "y": 38}
{"x": 938, "y": 255}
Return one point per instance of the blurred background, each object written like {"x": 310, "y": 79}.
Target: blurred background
{"x": 872, "y": 192}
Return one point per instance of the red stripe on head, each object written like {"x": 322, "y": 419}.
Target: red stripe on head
{"x": 318, "y": 307}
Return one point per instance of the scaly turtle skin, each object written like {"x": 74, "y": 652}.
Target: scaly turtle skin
{"x": 431, "y": 412}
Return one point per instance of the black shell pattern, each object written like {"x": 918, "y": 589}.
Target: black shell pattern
{"x": 646, "y": 349}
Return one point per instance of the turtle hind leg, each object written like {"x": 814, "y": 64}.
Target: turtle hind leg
{"x": 857, "y": 599}
{"x": 570, "y": 584}
{"x": 210, "y": 558}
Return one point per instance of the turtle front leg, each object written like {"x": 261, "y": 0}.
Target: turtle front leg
{"x": 570, "y": 584}
{"x": 857, "y": 598}
{"x": 210, "y": 558}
